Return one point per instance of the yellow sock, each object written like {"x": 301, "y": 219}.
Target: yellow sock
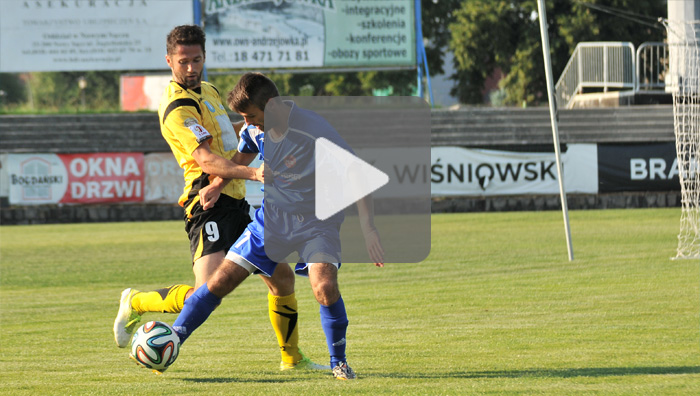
{"x": 169, "y": 299}
{"x": 283, "y": 316}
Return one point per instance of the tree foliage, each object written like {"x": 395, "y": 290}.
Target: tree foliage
{"x": 12, "y": 90}
{"x": 436, "y": 16}
{"x": 61, "y": 91}
{"x": 492, "y": 35}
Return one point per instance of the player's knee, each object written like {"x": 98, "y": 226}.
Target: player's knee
{"x": 326, "y": 292}
{"x": 284, "y": 273}
{"x": 281, "y": 283}
{"x": 227, "y": 277}
{"x": 281, "y": 287}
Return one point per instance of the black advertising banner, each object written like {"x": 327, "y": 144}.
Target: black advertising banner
{"x": 637, "y": 167}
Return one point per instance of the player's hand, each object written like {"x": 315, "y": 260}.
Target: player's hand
{"x": 374, "y": 245}
{"x": 260, "y": 173}
{"x": 208, "y": 196}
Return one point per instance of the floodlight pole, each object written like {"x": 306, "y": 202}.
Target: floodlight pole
{"x": 197, "y": 14}
{"x": 553, "y": 115}
{"x": 421, "y": 59}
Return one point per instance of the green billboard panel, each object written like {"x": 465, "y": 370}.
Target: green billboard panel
{"x": 260, "y": 34}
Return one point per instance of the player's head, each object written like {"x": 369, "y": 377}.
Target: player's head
{"x": 250, "y": 97}
{"x": 185, "y": 54}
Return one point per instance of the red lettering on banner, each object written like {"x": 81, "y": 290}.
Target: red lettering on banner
{"x": 104, "y": 177}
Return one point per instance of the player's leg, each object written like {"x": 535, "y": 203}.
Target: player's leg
{"x": 282, "y": 310}
{"x": 172, "y": 299}
{"x": 206, "y": 257}
{"x": 211, "y": 233}
{"x": 321, "y": 252}
{"x": 207, "y": 297}
{"x": 249, "y": 253}
{"x": 235, "y": 268}
{"x": 205, "y": 266}
{"x": 334, "y": 319}
{"x": 168, "y": 299}
{"x": 133, "y": 304}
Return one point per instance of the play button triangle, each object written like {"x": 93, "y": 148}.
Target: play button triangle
{"x": 341, "y": 178}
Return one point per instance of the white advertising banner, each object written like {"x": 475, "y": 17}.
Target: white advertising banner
{"x": 4, "y": 177}
{"x": 407, "y": 171}
{"x": 36, "y": 179}
{"x": 164, "y": 182}
{"x": 75, "y": 35}
{"x": 33, "y": 179}
{"x": 477, "y": 172}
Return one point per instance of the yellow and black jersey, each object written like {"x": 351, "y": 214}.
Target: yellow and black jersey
{"x": 189, "y": 117}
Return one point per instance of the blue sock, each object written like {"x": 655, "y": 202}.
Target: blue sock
{"x": 334, "y": 321}
{"x": 196, "y": 310}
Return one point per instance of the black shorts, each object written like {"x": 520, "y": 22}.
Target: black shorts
{"x": 216, "y": 229}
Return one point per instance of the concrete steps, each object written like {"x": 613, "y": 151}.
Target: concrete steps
{"x": 470, "y": 127}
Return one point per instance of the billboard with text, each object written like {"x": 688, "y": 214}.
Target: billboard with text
{"x": 75, "y": 178}
{"x": 305, "y": 33}
{"x": 33, "y": 179}
{"x": 75, "y": 35}
{"x": 638, "y": 167}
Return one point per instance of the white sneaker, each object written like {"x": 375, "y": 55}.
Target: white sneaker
{"x": 127, "y": 319}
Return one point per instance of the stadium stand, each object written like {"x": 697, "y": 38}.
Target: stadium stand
{"x": 502, "y": 128}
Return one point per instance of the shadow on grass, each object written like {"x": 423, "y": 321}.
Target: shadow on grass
{"x": 233, "y": 380}
{"x": 544, "y": 373}
{"x": 533, "y": 373}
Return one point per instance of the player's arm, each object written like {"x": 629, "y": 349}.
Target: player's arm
{"x": 210, "y": 194}
{"x": 243, "y": 158}
{"x": 239, "y": 158}
{"x": 219, "y": 166}
{"x": 365, "y": 210}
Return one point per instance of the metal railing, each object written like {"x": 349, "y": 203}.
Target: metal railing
{"x": 652, "y": 67}
{"x": 597, "y": 65}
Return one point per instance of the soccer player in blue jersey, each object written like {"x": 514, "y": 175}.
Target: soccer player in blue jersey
{"x": 296, "y": 228}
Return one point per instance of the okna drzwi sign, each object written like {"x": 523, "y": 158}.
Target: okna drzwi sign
{"x": 75, "y": 178}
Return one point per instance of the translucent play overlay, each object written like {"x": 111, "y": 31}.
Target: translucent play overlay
{"x": 323, "y": 155}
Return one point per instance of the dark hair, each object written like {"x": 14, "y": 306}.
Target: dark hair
{"x": 185, "y": 35}
{"x": 252, "y": 89}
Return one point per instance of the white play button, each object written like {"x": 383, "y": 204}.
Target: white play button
{"x": 342, "y": 178}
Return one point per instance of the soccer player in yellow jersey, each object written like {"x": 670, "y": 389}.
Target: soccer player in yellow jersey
{"x": 196, "y": 125}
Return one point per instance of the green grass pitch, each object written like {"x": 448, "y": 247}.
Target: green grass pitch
{"x": 497, "y": 308}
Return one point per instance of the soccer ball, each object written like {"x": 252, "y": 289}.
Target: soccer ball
{"x": 155, "y": 345}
